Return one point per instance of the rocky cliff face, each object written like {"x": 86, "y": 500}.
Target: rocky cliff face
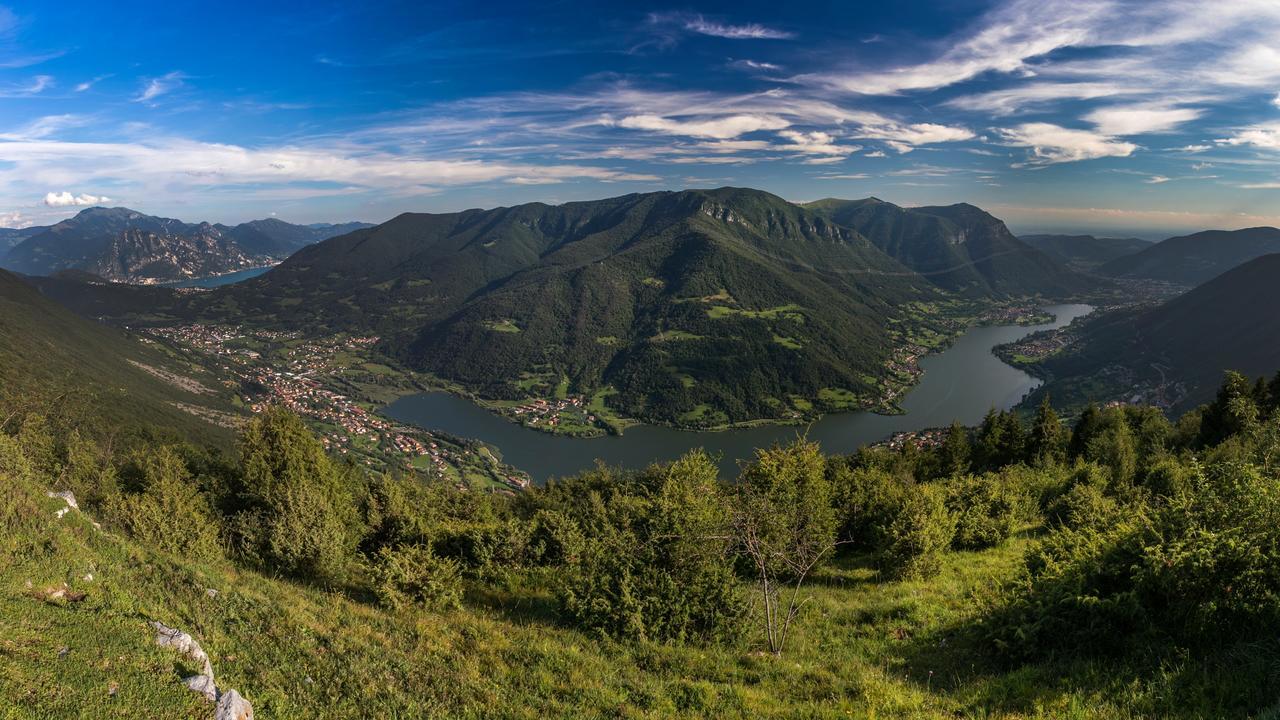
{"x": 128, "y": 246}
{"x": 141, "y": 256}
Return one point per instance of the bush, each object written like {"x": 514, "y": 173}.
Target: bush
{"x": 866, "y": 501}
{"x": 163, "y": 508}
{"x": 554, "y": 539}
{"x": 920, "y": 532}
{"x": 1211, "y": 566}
{"x": 413, "y": 574}
{"x": 301, "y": 516}
{"x": 1076, "y": 596}
{"x": 986, "y": 510}
{"x": 659, "y": 565}
{"x": 1202, "y": 568}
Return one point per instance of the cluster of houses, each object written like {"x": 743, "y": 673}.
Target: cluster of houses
{"x": 550, "y": 413}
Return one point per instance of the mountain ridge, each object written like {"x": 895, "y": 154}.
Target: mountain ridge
{"x": 1198, "y": 257}
{"x": 125, "y": 245}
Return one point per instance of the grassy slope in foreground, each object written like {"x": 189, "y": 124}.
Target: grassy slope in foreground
{"x": 862, "y": 648}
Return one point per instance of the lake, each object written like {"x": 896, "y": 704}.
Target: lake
{"x": 960, "y": 383}
{"x": 220, "y": 280}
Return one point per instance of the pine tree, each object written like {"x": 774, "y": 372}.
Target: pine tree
{"x": 1045, "y": 446}
{"x": 953, "y": 454}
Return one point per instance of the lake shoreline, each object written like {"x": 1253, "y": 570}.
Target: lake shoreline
{"x": 961, "y": 383}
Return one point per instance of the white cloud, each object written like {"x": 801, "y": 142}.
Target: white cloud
{"x": 1261, "y": 186}
{"x": 756, "y": 65}
{"x": 81, "y": 87}
{"x": 66, "y": 199}
{"x": 1140, "y": 119}
{"x": 1265, "y": 136}
{"x": 1054, "y": 144}
{"x": 750, "y": 31}
{"x": 1195, "y": 148}
{"x": 904, "y": 138}
{"x": 14, "y": 219}
{"x": 724, "y": 127}
{"x": 1276, "y": 100}
{"x": 1024, "y": 97}
{"x": 177, "y": 166}
{"x": 816, "y": 143}
{"x": 37, "y": 85}
{"x": 847, "y": 176}
{"x": 875, "y": 154}
{"x": 155, "y": 87}
{"x": 1156, "y": 180}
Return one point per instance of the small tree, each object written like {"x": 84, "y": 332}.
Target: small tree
{"x": 920, "y": 532}
{"x": 301, "y": 517}
{"x": 785, "y": 524}
{"x": 1045, "y": 445}
{"x": 954, "y": 453}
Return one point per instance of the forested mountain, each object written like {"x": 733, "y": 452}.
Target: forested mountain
{"x": 732, "y": 299}
{"x": 957, "y": 247}
{"x": 107, "y": 379}
{"x": 1085, "y": 252}
{"x": 127, "y": 246}
{"x": 1193, "y": 259}
{"x": 1227, "y": 323}
{"x": 9, "y": 237}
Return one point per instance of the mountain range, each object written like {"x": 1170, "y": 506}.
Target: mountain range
{"x": 959, "y": 248}
{"x": 1085, "y": 252}
{"x": 1228, "y": 323}
{"x": 124, "y": 245}
{"x": 695, "y": 307}
{"x": 1193, "y": 259}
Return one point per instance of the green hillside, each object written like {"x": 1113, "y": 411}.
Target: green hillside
{"x": 1124, "y": 568}
{"x": 696, "y": 307}
{"x": 1085, "y": 252}
{"x": 957, "y": 247}
{"x": 106, "y": 381}
{"x": 1181, "y": 347}
{"x": 1197, "y": 258}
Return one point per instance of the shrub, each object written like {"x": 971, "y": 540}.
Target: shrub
{"x": 301, "y": 517}
{"x": 163, "y": 508}
{"x": 920, "y": 532}
{"x": 554, "y": 539}
{"x": 1211, "y": 566}
{"x": 866, "y": 501}
{"x": 658, "y": 566}
{"x": 986, "y": 510}
{"x": 1201, "y": 568}
{"x": 413, "y": 574}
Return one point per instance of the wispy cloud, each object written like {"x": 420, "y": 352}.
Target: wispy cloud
{"x": 153, "y": 88}
{"x": 1265, "y": 136}
{"x": 1051, "y": 144}
{"x": 1141, "y": 119}
{"x": 87, "y": 84}
{"x": 34, "y": 86}
{"x": 724, "y": 127}
{"x": 701, "y": 25}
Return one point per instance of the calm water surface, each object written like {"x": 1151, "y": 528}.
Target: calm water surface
{"x": 220, "y": 280}
{"x": 961, "y": 383}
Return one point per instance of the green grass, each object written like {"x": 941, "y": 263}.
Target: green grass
{"x": 789, "y": 311}
{"x": 502, "y": 326}
{"x": 789, "y": 343}
{"x": 862, "y": 647}
{"x": 838, "y": 398}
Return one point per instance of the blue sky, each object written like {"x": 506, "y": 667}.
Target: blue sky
{"x": 1117, "y": 116}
